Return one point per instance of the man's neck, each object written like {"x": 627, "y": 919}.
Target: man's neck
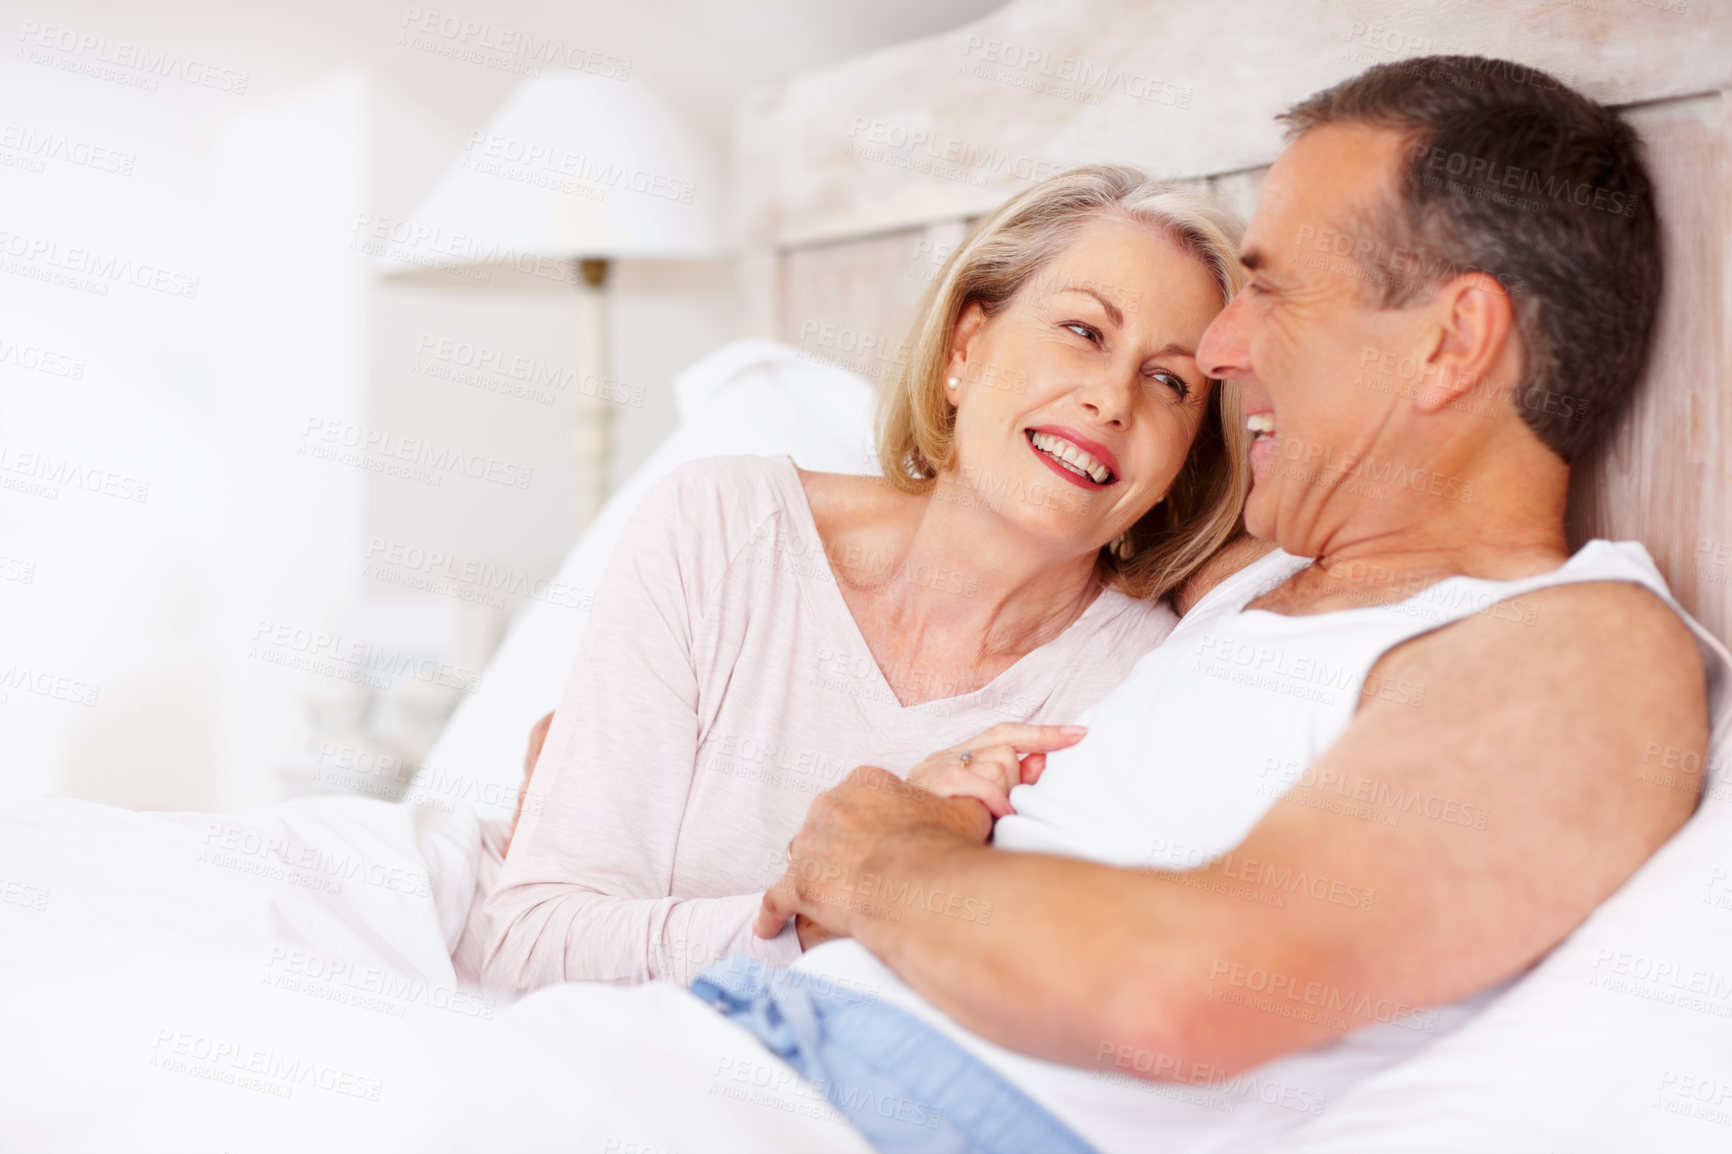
{"x": 1371, "y": 550}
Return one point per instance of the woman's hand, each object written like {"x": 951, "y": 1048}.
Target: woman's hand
{"x": 989, "y": 766}
{"x": 537, "y": 738}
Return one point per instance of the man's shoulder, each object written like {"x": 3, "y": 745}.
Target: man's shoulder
{"x": 1581, "y": 687}
{"x": 1607, "y": 630}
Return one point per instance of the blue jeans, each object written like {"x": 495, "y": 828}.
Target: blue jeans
{"x": 907, "y": 1087}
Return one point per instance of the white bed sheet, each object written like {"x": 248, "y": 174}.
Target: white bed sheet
{"x": 268, "y": 980}
{"x": 277, "y": 981}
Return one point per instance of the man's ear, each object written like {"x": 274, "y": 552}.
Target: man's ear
{"x": 1473, "y": 341}
{"x": 964, "y": 342}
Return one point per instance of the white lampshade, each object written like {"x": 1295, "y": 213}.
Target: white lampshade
{"x": 582, "y": 166}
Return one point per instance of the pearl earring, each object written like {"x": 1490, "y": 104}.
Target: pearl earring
{"x": 953, "y": 382}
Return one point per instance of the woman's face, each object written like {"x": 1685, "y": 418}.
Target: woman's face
{"x": 1078, "y": 402}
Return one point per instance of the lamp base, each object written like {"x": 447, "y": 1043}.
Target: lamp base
{"x": 592, "y": 412}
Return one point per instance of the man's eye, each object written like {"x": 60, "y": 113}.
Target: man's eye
{"x": 1086, "y": 332}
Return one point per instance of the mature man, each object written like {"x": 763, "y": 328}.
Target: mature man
{"x": 1455, "y": 271}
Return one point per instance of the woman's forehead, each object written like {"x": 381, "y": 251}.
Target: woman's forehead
{"x": 1133, "y": 272}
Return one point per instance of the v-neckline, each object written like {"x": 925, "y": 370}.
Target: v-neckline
{"x": 802, "y": 506}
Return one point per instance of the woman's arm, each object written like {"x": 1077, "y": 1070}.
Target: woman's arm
{"x": 537, "y": 738}
{"x": 583, "y": 894}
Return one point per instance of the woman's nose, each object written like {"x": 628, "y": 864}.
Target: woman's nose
{"x": 1109, "y": 395}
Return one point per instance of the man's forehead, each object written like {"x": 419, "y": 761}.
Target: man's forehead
{"x": 1328, "y": 177}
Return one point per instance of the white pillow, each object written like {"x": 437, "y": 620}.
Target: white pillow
{"x": 752, "y": 396}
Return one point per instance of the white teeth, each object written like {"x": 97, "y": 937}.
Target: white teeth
{"x": 1071, "y": 457}
{"x": 1260, "y": 423}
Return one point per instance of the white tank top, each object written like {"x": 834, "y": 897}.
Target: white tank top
{"x": 1182, "y": 760}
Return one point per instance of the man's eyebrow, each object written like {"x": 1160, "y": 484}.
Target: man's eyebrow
{"x": 1113, "y": 313}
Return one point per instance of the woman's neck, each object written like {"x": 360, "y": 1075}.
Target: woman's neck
{"x": 946, "y": 569}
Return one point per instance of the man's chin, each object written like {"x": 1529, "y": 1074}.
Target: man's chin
{"x": 1260, "y": 512}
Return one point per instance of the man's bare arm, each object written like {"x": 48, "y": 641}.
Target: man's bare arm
{"x": 1538, "y": 728}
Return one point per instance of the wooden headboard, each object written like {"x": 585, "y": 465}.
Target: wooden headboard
{"x": 855, "y": 181}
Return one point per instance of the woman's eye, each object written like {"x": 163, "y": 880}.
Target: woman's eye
{"x": 1175, "y": 382}
{"x": 1086, "y": 332}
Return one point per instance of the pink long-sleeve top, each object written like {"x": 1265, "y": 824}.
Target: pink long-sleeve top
{"x": 721, "y": 685}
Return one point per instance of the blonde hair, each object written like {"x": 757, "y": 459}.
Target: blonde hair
{"x": 916, "y": 421}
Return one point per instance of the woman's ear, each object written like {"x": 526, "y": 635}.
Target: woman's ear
{"x": 964, "y": 344}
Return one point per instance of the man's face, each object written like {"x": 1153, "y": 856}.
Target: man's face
{"x": 1296, "y": 337}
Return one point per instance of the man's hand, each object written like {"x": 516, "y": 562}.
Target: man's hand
{"x": 811, "y": 933}
{"x": 834, "y": 861}
{"x": 829, "y": 859}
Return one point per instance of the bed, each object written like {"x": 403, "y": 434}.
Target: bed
{"x": 279, "y": 979}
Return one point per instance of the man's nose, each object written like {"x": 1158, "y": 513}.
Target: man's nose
{"x": 1225, "y": 350}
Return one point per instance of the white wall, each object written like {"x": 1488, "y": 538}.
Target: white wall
{"x": 168, "y": 542}
{"x": 104, "y": 184}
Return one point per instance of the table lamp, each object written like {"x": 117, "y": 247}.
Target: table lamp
{"x": 574, "y": 172}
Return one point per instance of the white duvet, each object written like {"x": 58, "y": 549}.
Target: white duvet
{"x": 266, "y": 980}
{"x": 279, "y": 980}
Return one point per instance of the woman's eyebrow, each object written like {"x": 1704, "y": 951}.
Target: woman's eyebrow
{"x": 1175, "y": 348}
{"x": 1113, "y": 312}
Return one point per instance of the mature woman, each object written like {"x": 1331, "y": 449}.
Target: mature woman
{"x": 1054, "y": 464}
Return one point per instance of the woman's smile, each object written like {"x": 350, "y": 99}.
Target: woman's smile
{"x": 1084, "y": 463}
